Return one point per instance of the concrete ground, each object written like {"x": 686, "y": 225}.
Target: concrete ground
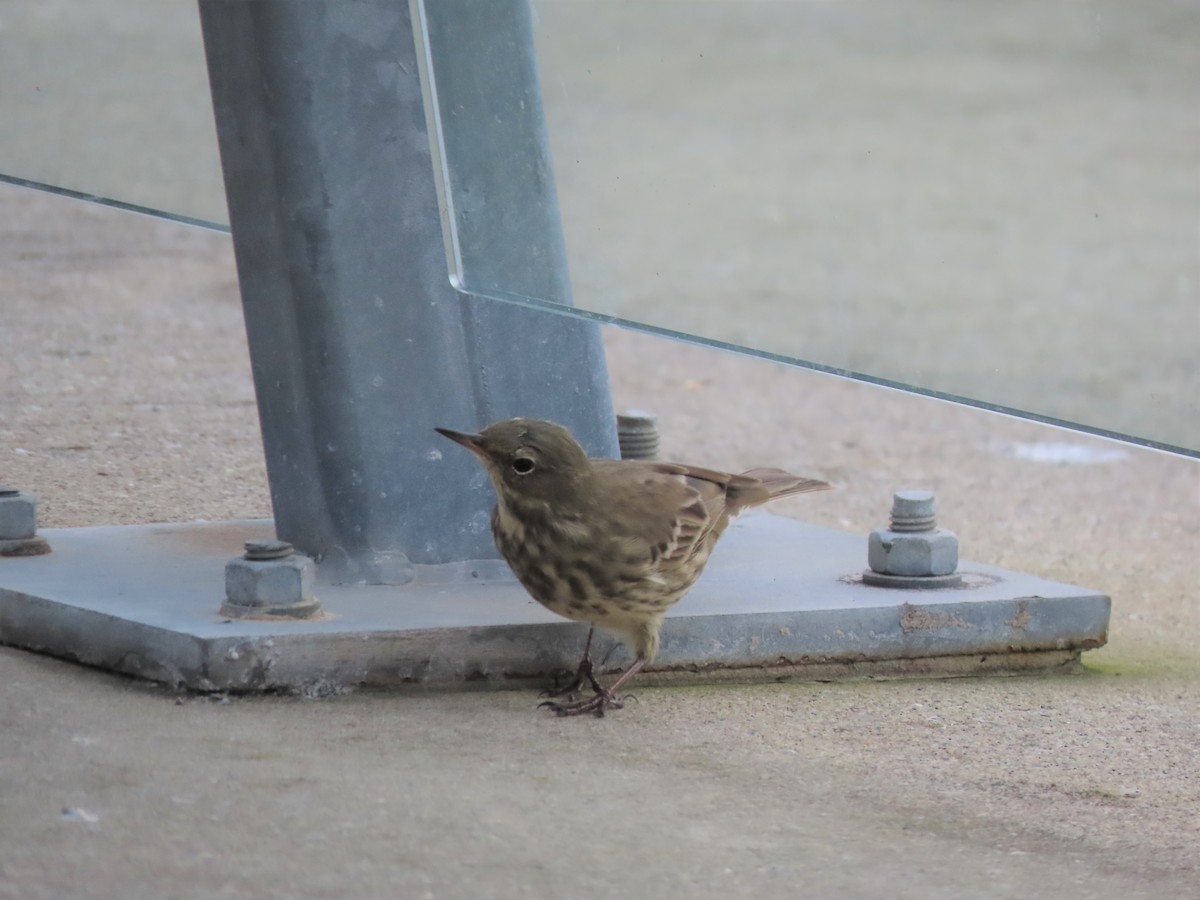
{"x": 125, "y": 396}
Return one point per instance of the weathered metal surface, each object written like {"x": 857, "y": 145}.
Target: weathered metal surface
{"x": 780, "y": 599}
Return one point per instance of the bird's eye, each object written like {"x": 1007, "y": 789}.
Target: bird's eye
{"x": 522, "y": 465}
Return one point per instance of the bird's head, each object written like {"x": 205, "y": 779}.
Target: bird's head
{"x": 528, "y": 458}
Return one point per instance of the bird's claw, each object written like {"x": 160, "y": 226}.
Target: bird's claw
{"x": 584, "y": 673}
{"x": 571, "y": 690}
{"x": 596, "y": 705}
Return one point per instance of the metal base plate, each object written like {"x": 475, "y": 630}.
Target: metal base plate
{"x": 779, "y": 599}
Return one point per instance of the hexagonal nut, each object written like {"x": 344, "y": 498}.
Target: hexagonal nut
{"x": 258, "y": 584}
{"x": 18, "y": 516}
{"x": 914, "y": 553}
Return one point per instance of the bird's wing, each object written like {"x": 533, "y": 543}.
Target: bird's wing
{"x": 674, "y": 509}
{"x": 671, "y": 510}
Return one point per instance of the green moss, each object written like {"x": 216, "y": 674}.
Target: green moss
{"x": 1110, "y": 662}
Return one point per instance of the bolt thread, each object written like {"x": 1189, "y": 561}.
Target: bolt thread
{"x": 637, "y": 435}
{"x": 913, "y": 523}
{"x": 261, "y": 551}
{"x": 913, "y": 510}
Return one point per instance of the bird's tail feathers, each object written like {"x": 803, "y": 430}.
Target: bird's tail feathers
{"x": 778, "y": 483}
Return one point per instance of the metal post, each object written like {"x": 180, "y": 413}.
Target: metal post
{"x": 359, "y": 343}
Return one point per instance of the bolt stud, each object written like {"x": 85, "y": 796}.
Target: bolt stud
{"x": 637, "y": 434}
{"x": 18, "y": 524}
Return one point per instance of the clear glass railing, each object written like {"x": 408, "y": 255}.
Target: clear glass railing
{"x": 991, "y": 202}
{"x": 109, "y": 100}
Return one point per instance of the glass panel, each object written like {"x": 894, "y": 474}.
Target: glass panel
{"x": 991, "y": 201}
{"x": 109, "y": 99}
{"x": 998, "y": 201}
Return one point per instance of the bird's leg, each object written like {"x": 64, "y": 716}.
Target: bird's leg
{"x": 604, "y": 698}
{"x": 584, "y": 672}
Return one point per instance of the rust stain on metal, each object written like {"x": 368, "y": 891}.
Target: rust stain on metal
{"x": 1020, "y": 621}
{"x": 925, "y": 618}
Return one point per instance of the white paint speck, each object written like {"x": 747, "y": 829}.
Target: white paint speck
{"x": 76, "y": 814}
{"x": 434, "y": 455}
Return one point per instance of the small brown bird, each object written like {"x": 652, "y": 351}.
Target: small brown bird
{"x": 611, "y": 542}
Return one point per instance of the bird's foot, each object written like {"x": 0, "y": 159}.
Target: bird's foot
{"x": 572, "y": 688}
{"x": 595, "y": 705}
{"x": 605, "y": 697}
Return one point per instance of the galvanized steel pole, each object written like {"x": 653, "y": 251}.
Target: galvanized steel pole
{"x": 359, "y": 342}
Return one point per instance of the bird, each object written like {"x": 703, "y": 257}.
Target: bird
{"x": 614, "y": 543}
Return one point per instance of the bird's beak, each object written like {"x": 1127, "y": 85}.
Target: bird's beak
{"x": 473, "y": 442}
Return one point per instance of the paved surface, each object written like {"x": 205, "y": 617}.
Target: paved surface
{"x": 865, "y": 790}
{"x": 126, "y": 397}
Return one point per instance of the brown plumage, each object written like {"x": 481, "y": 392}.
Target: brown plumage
{"x": 614, "y": 543}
